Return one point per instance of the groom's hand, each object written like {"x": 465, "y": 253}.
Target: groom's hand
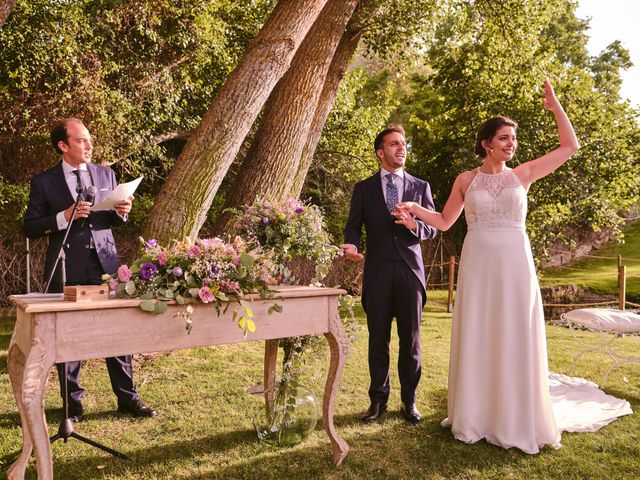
{"x": 404, "y": 217}
{"x": 351, "y": 252}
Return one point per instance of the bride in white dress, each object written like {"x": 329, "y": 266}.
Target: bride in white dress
{"x": 498, "y": 373}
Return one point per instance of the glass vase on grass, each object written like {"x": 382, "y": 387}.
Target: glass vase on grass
{"x": 289, "y": 418}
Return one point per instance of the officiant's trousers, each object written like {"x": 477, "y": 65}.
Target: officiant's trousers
{"x": 119, "y": 368}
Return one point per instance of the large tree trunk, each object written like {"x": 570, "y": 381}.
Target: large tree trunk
{"x": 182, "y": 204}
{"x": 272, "y": 161}
{"x": 6, "y": 7}
{"x": 337, "y": 70}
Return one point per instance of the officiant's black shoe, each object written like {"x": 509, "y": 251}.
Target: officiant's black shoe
{"x": 76, "y": 412}
{"x": 136, "y": 408}
{"x": 376, "y": 409}
{"x": 411, "y": 413}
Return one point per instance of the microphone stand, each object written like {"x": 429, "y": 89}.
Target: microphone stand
{"x": 65, "y": 429}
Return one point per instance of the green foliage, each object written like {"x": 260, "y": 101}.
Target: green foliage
{"x": 142, "y": 206}
{"x": 13, "y": 204}
{"x": 394, "y": 29}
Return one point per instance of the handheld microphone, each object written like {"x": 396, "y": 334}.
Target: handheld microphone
{"x": 89, "y": 197}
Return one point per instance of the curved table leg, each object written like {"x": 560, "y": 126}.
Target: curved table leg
{"x": 339, "y": 347}
{"x": 15, "y": 363}
{"x": 29, "y": 381}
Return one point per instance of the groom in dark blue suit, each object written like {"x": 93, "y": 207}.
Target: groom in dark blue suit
{"x": 393, "y": 283}
{"x": 90, "y": 250}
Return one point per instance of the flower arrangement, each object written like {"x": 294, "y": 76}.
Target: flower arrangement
{"x": 288, "y": 230}
{"x": 200, "y": 270}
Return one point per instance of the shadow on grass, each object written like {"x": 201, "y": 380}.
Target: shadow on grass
{"x": 422, "y": 451}
{"x": 140, "y": 460}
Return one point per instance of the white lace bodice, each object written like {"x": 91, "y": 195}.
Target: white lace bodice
{"x": 495, "y": 201}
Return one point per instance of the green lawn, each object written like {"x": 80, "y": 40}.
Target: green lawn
{"x": 204, "y": 428}
{"x": 601, "y": 275}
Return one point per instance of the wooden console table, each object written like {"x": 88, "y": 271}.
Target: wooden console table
{"x": 49, "y": 330}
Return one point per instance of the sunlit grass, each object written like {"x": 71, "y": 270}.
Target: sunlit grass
{"x": 601, "y": 275}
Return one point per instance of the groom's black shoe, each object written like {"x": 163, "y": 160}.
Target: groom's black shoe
{"x": 376, "y": 409}
{"x": 411, "y": 413}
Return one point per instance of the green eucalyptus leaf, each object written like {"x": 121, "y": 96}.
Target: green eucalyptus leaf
{"x": 160, "y": 307}
{"x": 130, "y": 287}
{"x": 148, "y": 305}
{"x": 121, "y": 290}
{"x": 246, "y": 260}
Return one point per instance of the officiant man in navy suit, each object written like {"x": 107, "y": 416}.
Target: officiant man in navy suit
{"x": 90, "y": 250}
{"x": 393, "y": 284}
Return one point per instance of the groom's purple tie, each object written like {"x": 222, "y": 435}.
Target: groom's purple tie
{"x": 392, "y": 192}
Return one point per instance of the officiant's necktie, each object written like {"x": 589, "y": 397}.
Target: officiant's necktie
{"x": 79, "y": 179}
{"x": 392, "y": 192}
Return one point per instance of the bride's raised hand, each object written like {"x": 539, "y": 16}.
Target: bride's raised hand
{"x": 550, "y": 101}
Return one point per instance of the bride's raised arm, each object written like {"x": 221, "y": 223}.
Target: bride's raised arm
{"x": 531, "y": 171}
{"x": 450, "y": 213}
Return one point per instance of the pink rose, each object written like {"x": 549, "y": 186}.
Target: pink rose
{"x": 113, "y": 284}
{"x": 211, "y": 243}
{"x": 229, "y": 286}
{"x": 162, "y": 258}
{"x": 206, "y": 295}
{"x": 193, "y": 251}
{"x": 124, "y": 274}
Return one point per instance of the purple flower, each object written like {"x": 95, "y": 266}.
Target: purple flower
{"x": 205, "y": 295}
{"x": 264, "y": 221}
{"x": 299, "y": 209}
{"x": 151, "y": 243}
{"x": 148, "y": 271}
{"x": 177, "y": 272}
{"x": 124, "y": 274}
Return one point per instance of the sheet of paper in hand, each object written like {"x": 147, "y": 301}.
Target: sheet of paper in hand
{"x": 118, "y": 194}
